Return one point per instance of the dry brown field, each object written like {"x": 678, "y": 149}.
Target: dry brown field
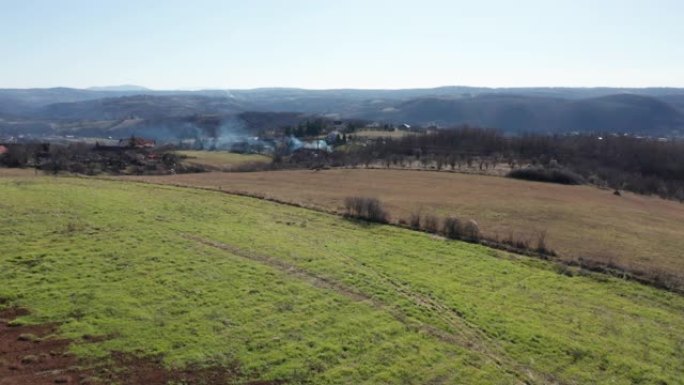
{"x": 374, "y": 134}
{"x": 580, "y": 221}
{"x": 221, "y": 160}
{"x": 19, "y": 172}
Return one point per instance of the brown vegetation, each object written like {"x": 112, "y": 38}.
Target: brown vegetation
{"x": 369, "y": 209}
{"x": 224, "y": 161}
{"x": 81, "y": 158}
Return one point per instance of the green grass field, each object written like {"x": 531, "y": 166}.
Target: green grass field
{"x": 202, "y": 277}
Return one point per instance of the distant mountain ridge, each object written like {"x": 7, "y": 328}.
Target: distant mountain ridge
{"x": 647, "y": 111}
{"x": 123, "y": 87}
{"x": 623, "y": 113}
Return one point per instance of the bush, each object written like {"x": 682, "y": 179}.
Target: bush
{"x": 414, "y": 221}
{"x": 471, "y": 231}
{"x": 16, "y": 156}
{"x": 517, "y": 242}
{"x": 431, "y": 223}
{"x": 369, "y": 209}
{"x": 550, "y": 175}
{"x": 452, "y": 228}
{"x": 542, "y": 246}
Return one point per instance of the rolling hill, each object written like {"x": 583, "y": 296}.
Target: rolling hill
{"x": 141, "y": 106}
{"x": 620, "y": 113}
{"x": 653, "y": 112}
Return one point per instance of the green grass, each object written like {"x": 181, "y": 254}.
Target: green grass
{"x": 203, "y": 277}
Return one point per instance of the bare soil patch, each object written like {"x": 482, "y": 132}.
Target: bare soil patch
{"x": 33, "y": 355}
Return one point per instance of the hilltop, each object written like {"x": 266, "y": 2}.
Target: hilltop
{"x": 181, "y": 280}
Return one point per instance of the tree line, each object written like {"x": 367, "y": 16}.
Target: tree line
{"x": 641, "y": 165}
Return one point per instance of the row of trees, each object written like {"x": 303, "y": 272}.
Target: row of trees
{"x": 308, "y": 128}
{"x": 641, "y": 165}
{"x": 87, "y": 159}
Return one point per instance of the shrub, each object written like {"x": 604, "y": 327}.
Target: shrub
{"x": 414, "y": 221}
{"x": 452, "y": 228}
{"x": 517, "y": 242}
{"x": 471, "y": 231}
{"x": 542, "y": 247}
{"x": 369, "y": 209}
{"x": 430, "y": 223}
{"x": 550, "y": 175}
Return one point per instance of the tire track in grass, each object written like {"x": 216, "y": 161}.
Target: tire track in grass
{"x": 468, "y": 337}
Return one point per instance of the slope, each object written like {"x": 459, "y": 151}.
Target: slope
{"x": 642, "y": 233}
{"x": 203, "y": 277}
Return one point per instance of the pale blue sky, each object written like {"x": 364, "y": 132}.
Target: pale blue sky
{"x": 341, "y": 44}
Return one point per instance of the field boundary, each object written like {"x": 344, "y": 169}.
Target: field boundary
{"x": 583, "y": 266}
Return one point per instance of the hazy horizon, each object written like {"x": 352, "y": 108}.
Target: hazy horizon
{"x": 113, "y": 86}
{"x": 211, "y": 44}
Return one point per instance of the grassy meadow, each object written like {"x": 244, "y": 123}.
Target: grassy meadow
{"x": 202, "y": 277}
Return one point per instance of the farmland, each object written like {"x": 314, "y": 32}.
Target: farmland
{"x": 375, "y": 134}
{"x": 196, "y": 277}
{"x": 220, "y": 160}
{"x": 580, "y": 221}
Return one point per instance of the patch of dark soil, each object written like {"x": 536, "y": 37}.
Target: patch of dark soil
{"x": 32, "y": 355}
{"x": 28, "y": 355}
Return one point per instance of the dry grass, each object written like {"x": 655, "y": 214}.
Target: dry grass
{"x": 374, "y": 134}
{"x": 580, "y": 221}
{"x": 221, "y": 160}
{"x": 18, "y": 172}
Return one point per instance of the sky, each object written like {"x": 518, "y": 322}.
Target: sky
{"x": 201, "y": 44}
